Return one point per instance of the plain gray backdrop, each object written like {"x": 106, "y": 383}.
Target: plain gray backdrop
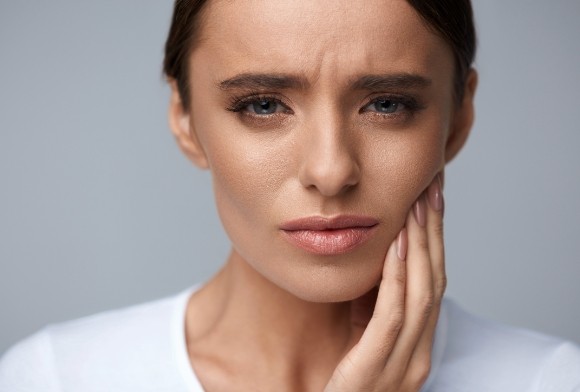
{"x": 99, "y": 209}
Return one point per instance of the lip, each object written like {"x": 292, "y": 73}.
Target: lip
{"x": 329, "y": 236}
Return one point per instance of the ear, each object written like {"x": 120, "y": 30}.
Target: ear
{"x": 181, "y": 126}
{"x": 462, "y": 120}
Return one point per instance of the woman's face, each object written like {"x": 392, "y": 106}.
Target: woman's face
{"x": 317, "y": 109}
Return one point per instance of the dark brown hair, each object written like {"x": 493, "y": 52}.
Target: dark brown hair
{"x": 451, "y": 19}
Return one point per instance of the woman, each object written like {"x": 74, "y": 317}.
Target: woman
{"x": 326, "y": 131}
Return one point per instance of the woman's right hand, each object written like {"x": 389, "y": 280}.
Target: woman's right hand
{"x": 394, "y": 340}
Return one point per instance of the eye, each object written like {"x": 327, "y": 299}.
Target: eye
{"x": 263, "y": 106}
{"x": 260, "y": 111}
{"x": 259, "y": 106}
{"x": 385, "y": 106}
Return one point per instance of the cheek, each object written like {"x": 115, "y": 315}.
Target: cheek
{"x": 240, "y": 173}
{"x": 243, "y": 178}
{"x": 243, "y": 170}
{"x": 248, "y": 174}
{"x": 400, "y": 166}
{"x": 420, "y": 160}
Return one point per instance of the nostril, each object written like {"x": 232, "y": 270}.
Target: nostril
{"x": 330, "y": 155}
{"x": 330, "y": 177}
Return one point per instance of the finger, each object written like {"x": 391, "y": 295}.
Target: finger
{"x": 420, "y": 363}
{"x": 383, "y": 329}
{"x": 418, "y": 295}
{"x": 435, "y": 236}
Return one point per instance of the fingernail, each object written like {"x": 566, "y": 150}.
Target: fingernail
{"x": 435, "y": 194}
{"x": 419, "y": 211}
{"x": 402, "y": 244}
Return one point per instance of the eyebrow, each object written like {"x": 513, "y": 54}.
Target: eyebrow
{"x": 390, "y": 81}
{"x": 253, "y": 81}
{"x": 263, "y": 81}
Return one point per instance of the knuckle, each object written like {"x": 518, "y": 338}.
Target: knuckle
{"x": 438, "y": 229}
{"x": 418, "y": 373}
{"x": 440, "y": 285}
{"x": 423, "y": 242}
{"x": 395, "y": 321}
{"x": 427, "y": 302}
{"x": 392, "y": 326}
{"x": 401, "y": 277}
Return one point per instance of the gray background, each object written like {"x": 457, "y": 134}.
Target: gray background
{"x": 98, "y": 209}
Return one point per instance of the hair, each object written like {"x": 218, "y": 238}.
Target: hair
{"x": 451, "y": 19}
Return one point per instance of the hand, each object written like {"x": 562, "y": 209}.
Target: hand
{"x": 394, "y": 349}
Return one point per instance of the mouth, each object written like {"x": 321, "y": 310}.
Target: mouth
{"x": 329, "y": 236}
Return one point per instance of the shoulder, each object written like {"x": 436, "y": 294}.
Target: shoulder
{"x": 492, "y": 356}
{"x": 129, "y": 344}
{"x": 29, "y": 366}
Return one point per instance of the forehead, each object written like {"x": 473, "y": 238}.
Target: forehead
{"x": 320, "y": 37}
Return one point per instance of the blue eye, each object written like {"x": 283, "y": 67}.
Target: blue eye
{"x": 259, "y": 106}
{"x": 263, "y": 106}
{"x": 385, "y": 106}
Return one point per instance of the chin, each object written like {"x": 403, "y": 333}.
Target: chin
{"x": 333, "y": 284}
{"x": 315, "y": 278}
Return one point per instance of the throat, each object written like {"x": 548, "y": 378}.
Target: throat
{"x": 244, "y": 326}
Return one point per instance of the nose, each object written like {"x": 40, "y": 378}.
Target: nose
{"x": 329, "y": 163}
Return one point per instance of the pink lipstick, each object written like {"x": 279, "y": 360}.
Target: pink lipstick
{"x": 329, "y": 236}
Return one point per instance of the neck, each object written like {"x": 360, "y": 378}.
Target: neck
{"x": 262, "y": 325}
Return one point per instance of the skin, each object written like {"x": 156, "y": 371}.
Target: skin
{"x": 277, "y": 317}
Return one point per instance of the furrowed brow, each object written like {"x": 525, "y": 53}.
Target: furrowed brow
{"x": 263, "y": 81}
{"x": 390, "y": 81}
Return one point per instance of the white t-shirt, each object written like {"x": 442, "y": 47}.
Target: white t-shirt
{"x": 142, "y": 349}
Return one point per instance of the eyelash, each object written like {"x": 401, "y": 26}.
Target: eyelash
{"x": 410, "y": 105}
{"x": 238, "y": 104}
